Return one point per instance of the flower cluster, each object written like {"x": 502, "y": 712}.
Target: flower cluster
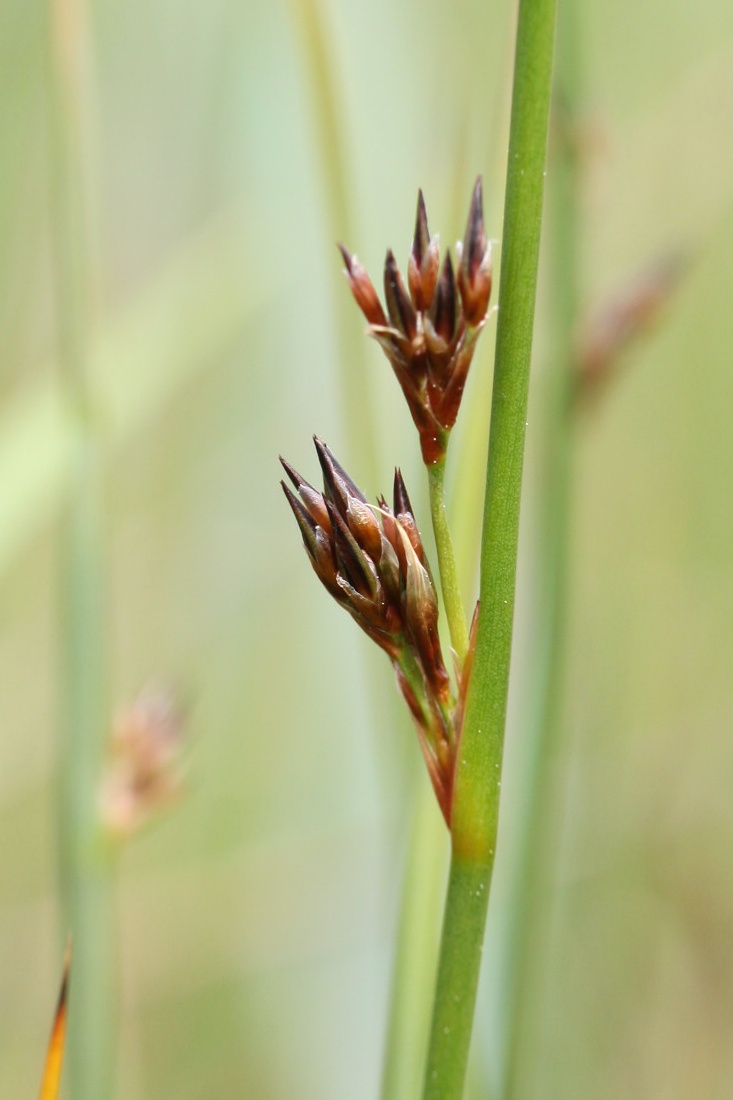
{"x": 144, "y": 773}
{"x": 371, "y": 559}
{"x": 429, "y": 333}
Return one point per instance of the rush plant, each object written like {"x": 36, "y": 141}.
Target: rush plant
{"x": 371, "y": 559}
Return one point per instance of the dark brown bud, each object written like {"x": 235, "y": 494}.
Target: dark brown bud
{"x": 399, "y": 307}
{"x": 403, "y": 512}
{"x": 304, "y": 519}
{"x": 424, "y": 262}
{"x": 475, "y": 268}
{"x": 363, "y": 289}
{"x": 443, "y": 309}
{"x": 311, "y": 498}
{"x": 337, "y": 483}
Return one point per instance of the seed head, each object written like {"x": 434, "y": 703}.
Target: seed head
{"x": 430, "y": 327}
{"x": 372, "y": 561}
{"x": 144, "y": 773}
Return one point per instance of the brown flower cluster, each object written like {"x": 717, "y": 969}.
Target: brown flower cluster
{"x": 371, "y": 559}
{"x": 429, "y": 331}
{"x": 144, "y": 772}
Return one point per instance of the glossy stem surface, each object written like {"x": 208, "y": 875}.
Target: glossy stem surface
{"x": 543, "y": 792}
{"x": 478, "y": 775}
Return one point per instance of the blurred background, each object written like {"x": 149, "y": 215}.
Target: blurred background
{"x": 256, "y": 919}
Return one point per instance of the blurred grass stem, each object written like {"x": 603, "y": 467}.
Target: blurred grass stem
{"x": 449, "y": 584}
{"x": 532, "y": 910}
{"x": 413, "y": 977}
{"x": 357, "y": 400}
{"x": 478, "y": 774}
{"x": 85, "y": 869}
{"x": 413, "y": 969}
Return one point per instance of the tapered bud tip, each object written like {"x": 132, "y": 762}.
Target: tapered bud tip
{"x": 422, "y": 234}
{"x": 475, "y": 271}
{"x": 336, "y": 481}
{"x": 362, "y": 288}
{"x": 424, "y": 262}
{"x": 474, "y": 244}
{"x": 402, "y": 504}
{"x": 444, "y": 304}
{"x": 334, "y": 491}
{"x": 292, "y": 473}
{"x": 399, "y": 307}
{"x": 347, "y": 257}
{"x": 306, "y": 523}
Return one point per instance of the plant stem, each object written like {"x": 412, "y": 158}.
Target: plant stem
{"x": 447, "y": 562}
{"x": 356, "y": 393}
{"x": 478, "y": 773}
{"x": 413, "y": 977}
{"x": 85, "y": 866}
{"x": 542, "y": 794}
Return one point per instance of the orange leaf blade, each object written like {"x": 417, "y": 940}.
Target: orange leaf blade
{"x": 51, "y": 1081}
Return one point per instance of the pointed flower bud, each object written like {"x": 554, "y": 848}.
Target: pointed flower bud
{"x": 400, "y": 308}
{"x": 475, "y": 271}
{"x": 363, "y": 289}
{"x": 424, "y": 262}
{"x": 443, "y": 311}
{"x": 429, "y": 333}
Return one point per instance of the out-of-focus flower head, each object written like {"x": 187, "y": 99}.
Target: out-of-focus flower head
{"x": 144, "y": 771}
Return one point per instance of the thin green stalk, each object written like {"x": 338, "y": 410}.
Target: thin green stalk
{"x": 542, "y": 794}
{"x": 356, "y": 393}
{"x": 85, "y": 866}
{"x": 414, "y": 970}
{"x": 413, "y": 977}
{"x": 447, "y": 562}
{"x": 478, "y": 773}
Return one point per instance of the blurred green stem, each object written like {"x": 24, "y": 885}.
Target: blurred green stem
{"x": 413, "y": 977}
{"x": 542, "y": 796}
{"x": 357, "y": 402}
{"x": 85, "y": 866}
{"x": 447, "y": 562}
{"x": 478, "y": 773}
{"x": 414, "y": 967}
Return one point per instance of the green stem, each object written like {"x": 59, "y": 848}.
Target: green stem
{"x": 447, "y": 562}
{"x": 542, "y": 793}
{"x": 413, "y": 976}
{"x": 85, "y": 864}
{"x": 478, "y": 771}
{"x": 356, "y": 393}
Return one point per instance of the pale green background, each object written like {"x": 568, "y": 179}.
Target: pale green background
{"x": 256, "y": 922}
